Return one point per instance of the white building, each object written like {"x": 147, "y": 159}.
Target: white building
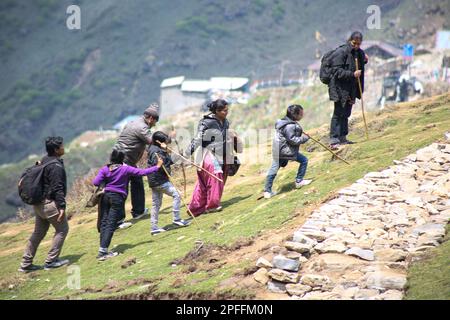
{"x": 178, "y": 93}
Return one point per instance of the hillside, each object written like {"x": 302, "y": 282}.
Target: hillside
{"x": 57, "y": 81}
{"x": 218, "y": 251}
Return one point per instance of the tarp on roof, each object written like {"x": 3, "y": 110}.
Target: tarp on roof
{"x": 121, "y": 124}
{"x": 172, "y": 82}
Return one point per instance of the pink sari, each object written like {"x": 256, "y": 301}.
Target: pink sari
{"x": 208, "y": 191}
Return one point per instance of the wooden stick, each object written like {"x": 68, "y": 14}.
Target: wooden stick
{"x": 362, "y": 100}
{"x": 182, "y": 199}
{"x": 320, "y": 143}
{"x": 212, "y": 175}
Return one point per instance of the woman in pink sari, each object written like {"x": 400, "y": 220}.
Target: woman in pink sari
{"x": 216, "y": 153}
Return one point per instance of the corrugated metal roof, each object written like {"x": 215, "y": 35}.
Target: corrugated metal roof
{"x": 172, "y": 82}
{"x": 228, "y": 83}
{"x": 196, "y": 86}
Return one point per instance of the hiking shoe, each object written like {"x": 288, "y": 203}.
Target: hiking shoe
{"x": 29, "y": 268}
{"x": 125, "y": 225}
{"x": 102, "y": 256}
{"x": 156, "y": 231}
{"x": 304, "y": 182}
{"x": 268, "y": 195}
{"x": 140, "y": 216}
{"x": 181, "y": 223}
{"x": 55, "y": 264}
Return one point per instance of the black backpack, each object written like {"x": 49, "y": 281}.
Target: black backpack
{"x": 326, "y": 69}
{"x": 31, "y": 184}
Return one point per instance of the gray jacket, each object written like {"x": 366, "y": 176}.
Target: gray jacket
{"x": 288, "y": 138}
{"x": 133, "y": 140}
{"x": 212, "y": 135}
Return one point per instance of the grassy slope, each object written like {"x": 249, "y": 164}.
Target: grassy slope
{"x": 42, "y": 61}
{"x": 430, "y": 278}
{"x": 394, "y": 134}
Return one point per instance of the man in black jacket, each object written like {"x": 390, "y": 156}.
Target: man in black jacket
{"x": 51, "y": 211}
{"x": 343, "y": 88}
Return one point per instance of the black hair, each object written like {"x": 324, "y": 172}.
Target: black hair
{"x": 161, "y": 137}
{"x": 356, "y": 35}
{"x": 217, "y": 105}
{"x": 117, "y": 156}
{"x": 52, "y": 144}
{"x": 293, "y": 110}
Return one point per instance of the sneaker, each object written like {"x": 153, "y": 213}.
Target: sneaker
{"x": 181, "y": 223}
{"x": 140, "y": 216}
{"x": 345, "y": 141}
{"x": 156, "y": 231}
{"x": 335, "y": 146}
{"x": 214, "y": 210}
{"x": 268, "y": 195}
{"x": 102, "y": 256}
{"x": 125, "y": 225}
{"x": 299, "y": 184}
{"x": 29, "y": 268}
{"x": 55, "y": 264}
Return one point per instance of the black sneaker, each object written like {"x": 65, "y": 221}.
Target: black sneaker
{"x": 345, "y": 141}
{"x": 29, "y": 268}
{"x": 55, "y": 264}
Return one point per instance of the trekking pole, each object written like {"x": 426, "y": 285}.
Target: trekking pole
{"x": 170, "y": 179}
{"x": 212, "y": 175}
{"x": 362, "y": 100}
{"x": 320, "y": 143}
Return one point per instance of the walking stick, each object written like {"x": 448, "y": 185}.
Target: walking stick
{"x": 182, "y": 164}
{"x": 182, "y": 199}
{"x": 212, "y": 175}
{"x": 362, "y": 100}
{"x": 320, "y": 143}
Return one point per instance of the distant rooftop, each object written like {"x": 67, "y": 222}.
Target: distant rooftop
{"x": 396, "y": 52}
{"x": 215, "y": 83}
{"x": 196, "y": 85}
{"x": 172, "y": 82}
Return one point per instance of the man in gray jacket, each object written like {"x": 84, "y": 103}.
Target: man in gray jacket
{"x": 286, "y": 143}
{"x": 132, "y": 141}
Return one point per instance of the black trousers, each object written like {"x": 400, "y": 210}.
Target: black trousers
{"x": 113, "y": 210}
{"x": 339, "y": 122}
{"x": 137, "y": 196}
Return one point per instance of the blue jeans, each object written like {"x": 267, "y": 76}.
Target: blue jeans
{"x": 272, "y": 173}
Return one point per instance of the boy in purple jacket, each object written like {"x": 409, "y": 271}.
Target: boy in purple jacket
{"x": 116, "y": 176}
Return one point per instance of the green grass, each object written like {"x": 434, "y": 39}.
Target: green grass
{"x": 429, "y": 279}
{"x": 243, "y": 218}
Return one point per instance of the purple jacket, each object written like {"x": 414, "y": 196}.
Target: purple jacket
{"x": 117, "y": 177}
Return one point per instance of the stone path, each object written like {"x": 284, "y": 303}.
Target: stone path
{"x": 359, "y": 245}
